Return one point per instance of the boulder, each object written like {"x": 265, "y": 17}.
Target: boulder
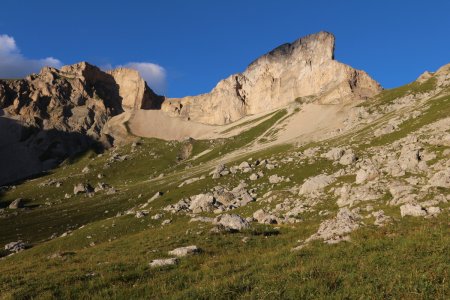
{"x": 16, "y": 246}
{"x": 334, "y": 154}
{"x": 261, "y": 216}
{"x": 316, "y": 183}
{"x": 414, "y": 210}
{"x": 441, "y": 179}
{"x": 337, "y": 229}
{"x": 253, "y": 177}
{"x": 274, "y": 179}
{"x": 81, "y": 188}
{"x": 163, "y": 262}
{"x": 366, "y": 174}
{"x": 348, "y": 158}
{"x": 184, "y": 251}
{"x": 202, "y": 203}
{"x": 232, "y": 222}
{"x": 18, "y": 203}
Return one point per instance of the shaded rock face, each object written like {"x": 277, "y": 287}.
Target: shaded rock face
{"x": 55, "y": 114}
{"x": 304, "y": 70}
{"x": 134, "y": 91}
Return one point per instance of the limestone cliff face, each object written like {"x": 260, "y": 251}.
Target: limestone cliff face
{"x": 303, "y": 69}
{"x": 49, "y": 116}
{"x": 134, "y": 91}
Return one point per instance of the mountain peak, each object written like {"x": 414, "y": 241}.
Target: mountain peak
{"x": 303, "y": 68}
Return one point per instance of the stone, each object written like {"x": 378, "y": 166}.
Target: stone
{"x": 82, "y": 188}
{"x": 141, "y": 214}
{"x": 18, "y": 203}
{"x": 414, "y": 210}
{"x": 337, "y": 229}
{"x": 231, "y": 222}
{"x": 274, "y": 179}
{"x": 163, "y": 262}
{"x": 202, "y": 203}
{"x": 15, "y": 246}
{"x": 334, "y": 154}
{"x": 441, "y": 179}
{"x": 316, "y": 183}
{"x": 348, "y": 158}
{"x": 261, "y": 216}
{"x": 155, "y": 196}
{"x": 433, "y": 211}
{"x": 244, "y": 165}
{"x": 185, "y": 251}
{"x": 366, "y": 174}
{"x": 166, "y": 222}
{"x": 381, "y": 219}
{"x": 253, "y": 177}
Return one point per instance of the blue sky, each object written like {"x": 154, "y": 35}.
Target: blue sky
{"x": 186, "y": 47}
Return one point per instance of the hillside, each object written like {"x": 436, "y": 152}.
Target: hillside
{"x": 307, "y": 200}
{"x": 328, "y": 217}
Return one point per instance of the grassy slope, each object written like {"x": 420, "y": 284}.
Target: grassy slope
{"x": 408, "y": 259}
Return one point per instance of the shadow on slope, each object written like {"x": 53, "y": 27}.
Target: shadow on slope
{"x": 27, "y": 152}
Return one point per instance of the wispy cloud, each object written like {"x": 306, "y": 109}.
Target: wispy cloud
{"x": 13, "y": 64}
{"x": 153, "y": 74}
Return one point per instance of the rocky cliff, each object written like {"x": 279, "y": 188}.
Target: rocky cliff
{"x": 304, "y": 70}
{"x": 49, "y": 116}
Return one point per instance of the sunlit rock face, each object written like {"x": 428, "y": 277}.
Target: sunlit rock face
{"x": 303, "y": 70}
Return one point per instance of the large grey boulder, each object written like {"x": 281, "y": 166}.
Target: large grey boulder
{"x": 202, "y": 203}
{"x": 231, "y": 222}
{"x": 163, "y": 262}
{"x": 184, "y": 251}
{"x": 316, "y": 183}
{"x": 16, "y": 246}
{"x": 337, "y": 229}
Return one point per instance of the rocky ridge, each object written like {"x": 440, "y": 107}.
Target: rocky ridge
{"x": 49, "y": 116}
{"x": 304, "y": 70}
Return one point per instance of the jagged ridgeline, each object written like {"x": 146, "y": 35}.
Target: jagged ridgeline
{"x": 56, "y": 114}
{"x": 299, "y": 178}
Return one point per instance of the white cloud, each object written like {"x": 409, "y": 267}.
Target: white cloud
{"x": 153, "y": 74}
{"x": 14, "y": 65}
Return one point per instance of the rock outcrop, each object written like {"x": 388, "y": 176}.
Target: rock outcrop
{"x": 134, "y": 91}
{"x": 304, "y": 70}
{"x": 54, "y": 114}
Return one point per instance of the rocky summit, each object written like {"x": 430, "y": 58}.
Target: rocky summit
{"x": 299, "y": 178}
{"x": 304, "y": 70}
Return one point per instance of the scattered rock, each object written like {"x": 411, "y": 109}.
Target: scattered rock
{"x": 348, "y": 158}
{"x": 16, "y": 246}
{"x": 82, "y": 188}
{"x": 184, "y": 251}
{"x": 274, "y": 179}
{"x": 141, "y": 214}
{"x": 412, "y": 210}
{"x": 261, "y": 216}
{"x": 337, "y": 229}
{"x": 381, "y": 219}
{"x": 253, "y": 177}
{"x": 163, "y": 262}
{"x": 334, "y": 154}
{"x": 18, "y": 203}
{"x": 202, "y": 203}
{"x": 316, "y": 183}
{"x": 231, "y": 222}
